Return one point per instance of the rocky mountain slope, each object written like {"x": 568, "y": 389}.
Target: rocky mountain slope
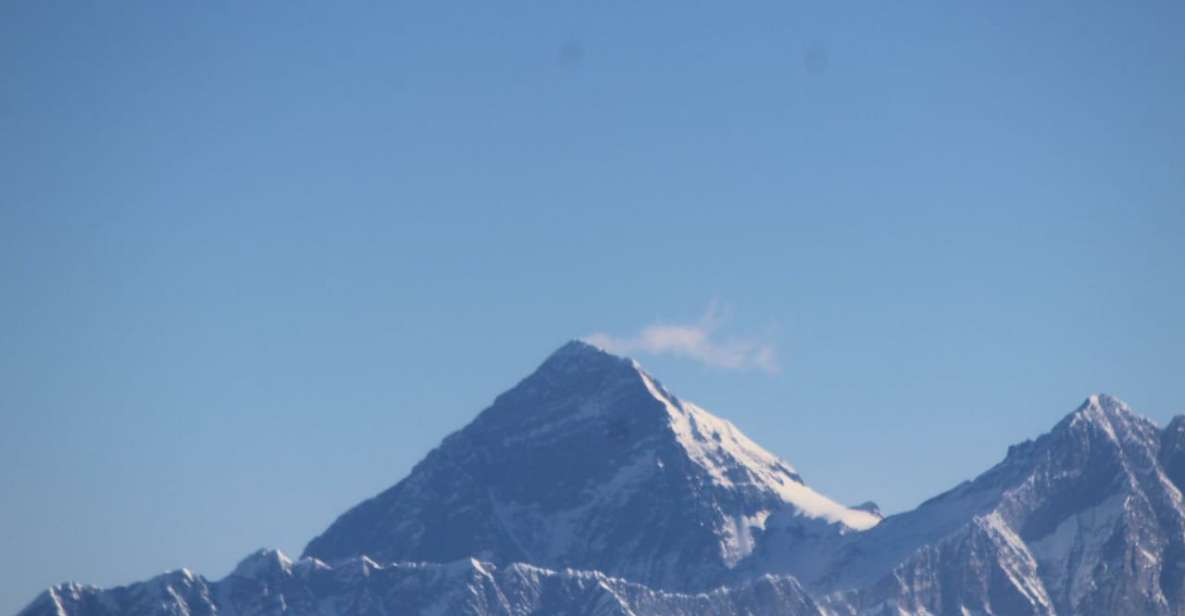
{"x": 590, "y": 489}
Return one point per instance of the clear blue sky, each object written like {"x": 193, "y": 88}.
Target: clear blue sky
{"x": 257, "y": 258}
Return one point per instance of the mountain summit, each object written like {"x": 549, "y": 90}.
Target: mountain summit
{"x": 590, "y": 463}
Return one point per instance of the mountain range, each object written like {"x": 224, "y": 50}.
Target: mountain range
{"x": 591, "y": 489}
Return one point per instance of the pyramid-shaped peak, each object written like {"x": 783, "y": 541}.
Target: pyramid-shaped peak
{"x": 575, "y": 466}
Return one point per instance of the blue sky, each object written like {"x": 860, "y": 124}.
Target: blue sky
{"x": 256, "y": 260}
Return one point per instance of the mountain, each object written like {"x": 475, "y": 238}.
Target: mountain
{"x": 590, "y": 463}
{"x": 1084, "y": 520}
{"x": 590, "y": 489}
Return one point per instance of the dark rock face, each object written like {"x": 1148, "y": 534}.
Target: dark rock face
{"x": 590, "y": 489}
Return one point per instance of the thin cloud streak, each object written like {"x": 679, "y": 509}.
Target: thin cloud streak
{"x": 694, "y": 341}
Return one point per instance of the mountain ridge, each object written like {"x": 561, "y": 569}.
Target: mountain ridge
{"x": 1051, "y": 523}
{"x": 268, "y": 583}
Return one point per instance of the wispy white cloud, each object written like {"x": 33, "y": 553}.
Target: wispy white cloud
{"x": 697, "y": 341}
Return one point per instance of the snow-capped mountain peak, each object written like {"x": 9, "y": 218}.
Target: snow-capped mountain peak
{"x": 1085, "y": 519}
{"x": 575, "y": 467}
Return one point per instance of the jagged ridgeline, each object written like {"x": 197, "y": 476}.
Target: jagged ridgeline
{"x": 589, "y": 488}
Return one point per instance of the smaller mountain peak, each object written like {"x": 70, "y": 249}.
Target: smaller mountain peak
{"x": 263, "y": 562}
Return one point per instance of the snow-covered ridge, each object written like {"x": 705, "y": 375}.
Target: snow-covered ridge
{"x": 731, "y": 458}
{"x": 267, "y": 583}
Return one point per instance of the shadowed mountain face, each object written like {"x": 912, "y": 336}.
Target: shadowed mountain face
{"x": 590, "y": 489}
{"x": 589, "y": 463}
